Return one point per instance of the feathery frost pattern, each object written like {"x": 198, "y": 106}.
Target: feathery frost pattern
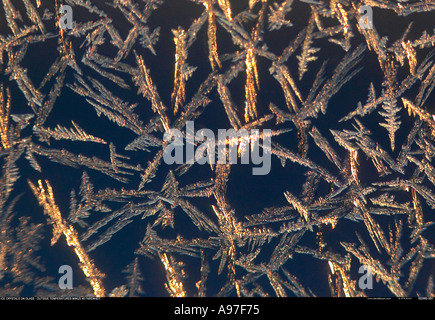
{"x": 83, "y": 114}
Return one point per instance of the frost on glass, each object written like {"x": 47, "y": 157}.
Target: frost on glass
{"x": 84, "y": 110}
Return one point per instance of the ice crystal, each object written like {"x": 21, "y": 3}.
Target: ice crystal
{"x": 84, "y": 110}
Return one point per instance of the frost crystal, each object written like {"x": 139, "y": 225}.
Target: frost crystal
{"x": 84, "y": 110}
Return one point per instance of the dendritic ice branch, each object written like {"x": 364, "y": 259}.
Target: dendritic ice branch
{"x": 120, "y": 126}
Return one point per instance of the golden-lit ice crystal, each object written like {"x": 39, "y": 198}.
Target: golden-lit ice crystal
{"x": 46, "y": 200}
{"x": 174, "y": 285}
{"x": 89, "y": 109}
